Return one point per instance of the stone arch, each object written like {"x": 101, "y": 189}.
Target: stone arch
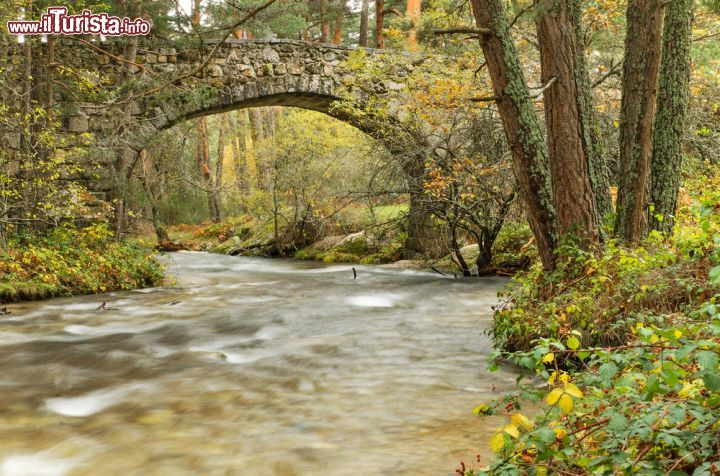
{"x": 183, "y": 84}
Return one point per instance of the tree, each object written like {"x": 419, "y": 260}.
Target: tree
{"x": 520, "y": 124}
{"x": 639, "y": 94}
{"x": 671, "y": 114}
{"x": 471, "y": 187}
{"x": 364, "y": 13}
{"x": 203, "y": 159}
{"x": 412, "y": 12}
{"x": 203, "y": 148}
{"x": 379, "y": 24}
{"x": 564, "y": 77}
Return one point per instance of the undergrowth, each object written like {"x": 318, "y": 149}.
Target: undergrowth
{"x": 70, "y": 261}
{"x": 624, "y": 353}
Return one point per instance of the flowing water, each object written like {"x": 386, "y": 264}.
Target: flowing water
{"x": 251, "y": 367}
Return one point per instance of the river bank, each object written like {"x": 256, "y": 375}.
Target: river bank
{"x": 71, "y": 261}
{"x": 512, "y": 251}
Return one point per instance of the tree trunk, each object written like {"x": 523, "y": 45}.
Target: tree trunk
{"x": 337, "y": 31}
{"x": 203, "y": 157}
{"x": 123, "y": 161}
{"x": 238, "y": 135}
{"x": 379, "y": 24}
{"x": 218, "y": 183}
{"x": 639, "y": 94}
{"x": 567, "y": 145}
{"x": 364, "y": 13}
{"x": 592, "y": 142}
{"x": 257, "y": 123}
{"x": 250, "y": 164}
{"x": 671, "y": 113}
{"x": 196, "y": 13}
{"x": 484, "y": 258}
{"x": 462, "y": 264}
{"x": 324, "y": 25}
{"x": 413, "y": 13}
{"x": 149, "y": 181}
{"x": 520, "y": 123}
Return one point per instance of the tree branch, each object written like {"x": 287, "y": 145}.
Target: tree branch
{"x": 471, "y": 31}
{"x": 612, "y": 71}
{"x": 544, "y": 88}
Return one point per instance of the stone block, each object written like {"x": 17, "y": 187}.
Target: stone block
{"x": 315, "y": 84}
{"x": 251, "y": 91}
{"x": 295, "y": 69}
{"x": 280, "y": 69}
{"x": 238, "y": 93}
{"x": 214, "y": 70}
{"x": 158, "y": 118}
{"x": 78, "y": 124}
{"x": 269, "y": 55}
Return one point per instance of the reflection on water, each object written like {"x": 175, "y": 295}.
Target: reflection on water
{"x": 251, "y": 366}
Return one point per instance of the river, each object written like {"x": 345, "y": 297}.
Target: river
{"x": 251, "y": 367}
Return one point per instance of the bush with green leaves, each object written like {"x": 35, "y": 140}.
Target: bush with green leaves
{"x": 69, "y": 260}
{"x": 651, "y": 406}
{"x": 625, "y": 361}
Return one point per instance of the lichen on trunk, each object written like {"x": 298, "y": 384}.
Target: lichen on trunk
{"x": 671, "y": 113}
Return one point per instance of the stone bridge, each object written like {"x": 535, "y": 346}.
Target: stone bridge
{"x": 174, "y": 86}
{"x": 167, "y": 85}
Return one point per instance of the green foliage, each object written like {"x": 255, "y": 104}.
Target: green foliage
{"x": 629, "y": 348}
{"x": 648, "y": 407}
{"x": 69, "y": 261}
{"x": 599, "y": 295}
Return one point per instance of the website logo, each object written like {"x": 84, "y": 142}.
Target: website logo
{"x": 56, "y": 21}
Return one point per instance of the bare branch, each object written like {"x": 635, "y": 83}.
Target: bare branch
{"x": 470, "y": 31}
{"x": 544, "y": 88}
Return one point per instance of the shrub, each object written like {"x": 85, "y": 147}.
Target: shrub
{"x": 70, "y": 261}
{"x": 627, "y": 346}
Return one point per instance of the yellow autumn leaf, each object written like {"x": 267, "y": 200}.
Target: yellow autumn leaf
{"x": 549, "y": 357}
{"x": 481, "y": 409}
{"x": 497, "y": 442}
{"x": 678, "y": 334}
{"x": 560, "y": 432}
{"x": 521, "y": 420}
{"x": 554, "y": 396}
{"x": 511, "y": 430}
{"x": 571, "y": 389}
{"x": 685, "y": 391}
{"x": 566, "y": 403}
